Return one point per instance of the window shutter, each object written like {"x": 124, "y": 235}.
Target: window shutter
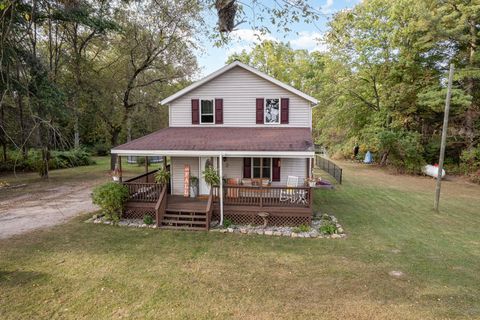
{"x": 259, "y": 110}
{"x": 247, "y": 167}
{"x": 276, "y": 169}
{"x": 284, "y": 106}
{"x": 195, "y": 111}
{"x": 219, "y": 111}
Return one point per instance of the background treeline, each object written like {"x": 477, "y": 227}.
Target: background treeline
{"x": 381, "y": 81}
{"x": 88, "y": 74}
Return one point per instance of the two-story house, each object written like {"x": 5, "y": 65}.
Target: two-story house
{"x": 253, "y": 129}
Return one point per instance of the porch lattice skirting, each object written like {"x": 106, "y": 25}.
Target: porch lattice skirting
{"x": 137, "y": 212}
{"x": 251, "y": 217}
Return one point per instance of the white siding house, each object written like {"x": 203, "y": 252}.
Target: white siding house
{"x": 239, "y": 88}
{"x": 254, "y": 130}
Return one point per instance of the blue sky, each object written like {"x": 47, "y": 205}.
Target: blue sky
{"x": 212, "y": 58}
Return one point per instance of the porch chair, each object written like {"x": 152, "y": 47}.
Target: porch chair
{"x": 289, "y": 193}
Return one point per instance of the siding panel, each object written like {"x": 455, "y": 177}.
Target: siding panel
{"x": 178, "y": 164}
{"x": 239, "y": 89}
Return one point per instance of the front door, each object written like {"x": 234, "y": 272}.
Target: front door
{"x": 205, "y": 162}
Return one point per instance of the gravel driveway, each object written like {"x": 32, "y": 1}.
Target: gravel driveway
{"x": 44, "y": 208}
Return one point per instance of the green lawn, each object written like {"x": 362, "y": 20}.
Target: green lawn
{"x": 86, "y": 271}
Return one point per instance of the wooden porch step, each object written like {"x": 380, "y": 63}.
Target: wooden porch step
{"x": 186, "y": 211}
{"x": 183, "y": 222}
{"x": 184, "y": 216}
{"x": 182, "y": 228}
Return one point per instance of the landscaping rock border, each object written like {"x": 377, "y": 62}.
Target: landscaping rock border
{"x": 293, "y": 232}
{"x": 134, "y": 223}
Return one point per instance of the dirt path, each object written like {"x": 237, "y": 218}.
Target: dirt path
{"x": 44, "y": 208}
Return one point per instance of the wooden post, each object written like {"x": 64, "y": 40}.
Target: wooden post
{"x": 146, "y": 168}
{"x": 119, "y": 159}
{"x": 220, "y": 158}
{"x": 444, "y": 139}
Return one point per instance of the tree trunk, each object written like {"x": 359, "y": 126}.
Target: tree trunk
{"x": 3, "y": 139}
{"x": 471, "y": 114}
{"x": 76, "y": 133}
{"x": 114, "y": 141}
{"x": 383, "y": 161}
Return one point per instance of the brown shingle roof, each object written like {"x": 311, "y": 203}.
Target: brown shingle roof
{"x": 224, "y": 139}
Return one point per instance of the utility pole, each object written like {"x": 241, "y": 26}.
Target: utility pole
{"x": 444, "y": 139}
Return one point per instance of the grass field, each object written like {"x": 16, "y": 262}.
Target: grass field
{"x": 85, "y": 271}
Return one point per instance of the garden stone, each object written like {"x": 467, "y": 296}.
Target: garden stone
{"x": 277, "y": 233}
{"x": 230, "y": 229}
{"x": 294, "y": 235}
{"x": 268, "y": 232}
{"x": 335, "y": 236}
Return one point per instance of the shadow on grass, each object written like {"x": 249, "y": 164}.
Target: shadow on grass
{"x": 20, "y": 278}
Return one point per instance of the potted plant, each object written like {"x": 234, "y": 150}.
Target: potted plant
{"x": 162, "y": 176}
{"x": 311, "y": 182}
{"x": 193, "y": 187}
{"x": 211, "y": 176}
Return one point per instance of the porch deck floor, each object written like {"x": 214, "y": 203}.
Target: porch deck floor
{"x": 175, "y": 202}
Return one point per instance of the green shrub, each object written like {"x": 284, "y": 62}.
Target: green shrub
{"x": 58, "y": 160}
{"x": 101, "y": 149}
{"x": 110, "y": 197}
{"x": 470, "y": 160}
{"x": 147, "y": 219}
{"x": 328, "y": 227}
{"x": 404, "y": 150}
{"x": 227, "y": 222}
{"x": 302, "y": 228}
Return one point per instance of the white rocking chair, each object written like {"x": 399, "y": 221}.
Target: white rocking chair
{"x": 289, "y": 194}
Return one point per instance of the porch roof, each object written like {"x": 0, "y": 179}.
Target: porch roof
{"x": 229, "y": 141}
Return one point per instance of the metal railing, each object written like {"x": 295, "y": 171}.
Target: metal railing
{"x": 329, "y": 167}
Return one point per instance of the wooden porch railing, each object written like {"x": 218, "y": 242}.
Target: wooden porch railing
{"x": 296, "y": 197}
{"x": 143, "y": 192}
{"x": 209, "y": 210}
{"x": 161, "y": 206}
{"x": 148, "y": 177}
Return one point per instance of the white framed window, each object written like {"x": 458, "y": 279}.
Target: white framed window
{"x": 207, "y": 112}
{"x": 262, "y": 168}
{"x": 271, "y": 113}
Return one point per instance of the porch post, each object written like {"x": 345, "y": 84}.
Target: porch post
{"x": 146, "y": 168}
{"x": 221, "y": 187}
{"x": 119, "y": 159}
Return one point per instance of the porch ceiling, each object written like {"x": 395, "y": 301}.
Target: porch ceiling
{"x": 227, "y": 141}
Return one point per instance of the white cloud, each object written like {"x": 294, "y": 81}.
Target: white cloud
{"x": 311, "y": 41}
{"x": 246, "y": 39}
{"x": 327, "y": 7}
{"x": 249, "y": 35}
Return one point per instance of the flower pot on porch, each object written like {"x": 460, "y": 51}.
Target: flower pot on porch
{"x": 193, "y": 191}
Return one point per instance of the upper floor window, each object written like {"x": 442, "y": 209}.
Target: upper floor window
{"x": 272, "y": 111}
{"x": 206, "y": 111}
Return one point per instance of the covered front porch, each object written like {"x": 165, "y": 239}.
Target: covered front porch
{"x": 173, "y": 207}
{"x": 262, "y": 175}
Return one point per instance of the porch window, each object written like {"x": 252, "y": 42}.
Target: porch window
{"x": 272, "y": 111}
{"x": 206, "y": 111}
{"x": 262, "y": 168}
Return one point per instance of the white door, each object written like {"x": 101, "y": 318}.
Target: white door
{"x": 205, "y": 162}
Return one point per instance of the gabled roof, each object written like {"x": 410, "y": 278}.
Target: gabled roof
{"x": 229, "y": 67}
